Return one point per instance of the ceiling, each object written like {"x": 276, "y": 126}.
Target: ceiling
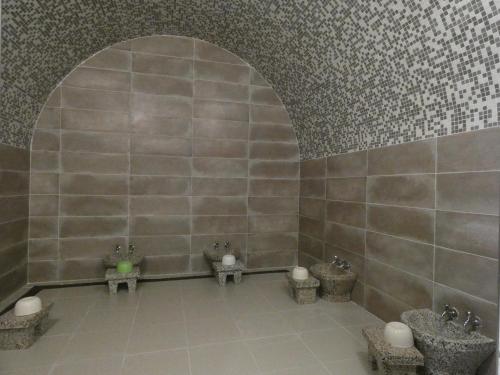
{"x": 353, "y": 74}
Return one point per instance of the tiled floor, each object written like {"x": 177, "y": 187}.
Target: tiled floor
{"x": 195, "y": 327}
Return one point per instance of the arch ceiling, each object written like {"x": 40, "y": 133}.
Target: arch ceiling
{"x": 353, "y": 74}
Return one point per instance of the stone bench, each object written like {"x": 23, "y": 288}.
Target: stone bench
{"x": 388, "y": 359}
{"x": 20, "y": 332}
{"x": 114, "y": 278}
{"x": 303, "y": 291}
{"x": 222, "y": 272}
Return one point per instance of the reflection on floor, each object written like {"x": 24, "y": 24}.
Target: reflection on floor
{"x": 195, "y": 327}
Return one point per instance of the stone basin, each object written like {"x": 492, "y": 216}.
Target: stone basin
{"x": 447, "y": 348}
{"x": 215, "y": 255}
{"x": 336, "y": 284}
{"x": 110, "y": 261}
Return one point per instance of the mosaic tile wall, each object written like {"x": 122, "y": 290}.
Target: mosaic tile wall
{"x": 353, "y": 74}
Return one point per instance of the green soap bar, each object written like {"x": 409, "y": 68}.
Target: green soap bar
{"x": 124, "y": 266}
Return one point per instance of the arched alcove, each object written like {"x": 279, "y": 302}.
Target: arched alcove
{"x": 168, "y": 143}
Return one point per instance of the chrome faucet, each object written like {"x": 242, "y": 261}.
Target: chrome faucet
{"x": 472, "y": 322}
{"x": 118, "y": 249}
{"x": 131, "y": 249}
{"x": 336, "y": 261}
{"x": 216, "y": 245}
{"x": 345, "y": 265}
{"x": 449, "y": 313}
{"x": 227, "y": 247}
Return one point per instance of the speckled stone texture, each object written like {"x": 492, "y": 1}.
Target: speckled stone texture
{"x": 335, "y": 284}
{"x": 388, "y": 359}
{"x": 222, "y": 272}
{"x": 302, "y": 291}
{"x": 114, "y": 278}
{"x": 215, "y": 255}
{"x": 20, "y": 332}
{"x": 447, "y": 348}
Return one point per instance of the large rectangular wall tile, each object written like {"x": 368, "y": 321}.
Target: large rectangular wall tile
{"x": 346, "y": 189}
{"x": 415, "y": 157}
{"x": 313, "y": 188}
{"x": 219, "y": 224}
{"x": 98, "y": 79}
{"x": 272, "y": 132}
{"x": 13, "y": 256}
{"x": 273, "y": 169}
{"x": 220, "y": 91}
{"x": 414, "y": 257}
{"x": 42, "y": 271}
{"x": 383, "y": 305}
{"x": 78, "y": 269}
{"x": 274, "y": 151}
{"x": 165, "y": 265}
{"x": 14, "y": 232}
{"x": 347, "y": 165}
{"x": 312, "y": 207}
{"x": 285, "y": 188}
{"x": 346, "y": 237}
{"x": 93, "y": 206}
{"x": 159, "y": 225}
{"x": 273, "y": 223}
{"x": 348, "y": 213}
{"x": 311, "y": 246}
{"x": 155, "y": 64}
{"x": 14, "y": 208}
{"x": 84, "y": 162}
{"x": 469, "y": 192}
{"x": 315, "y": 168}
{"x": 110, "y": 59}
{"x": 219, "y": 206}
{"x": 93, "y": 226}
{"x": 49, "y": 118}
{"x": 161, "y": 85}
{"x": 268, "y": 114}
{"x": 94, "y": 142}
{"x": 201, "y": 242}
{"x": 272, "y": 259}
{"x": 220, "y": 148}
{"x": 209, "y": 167}
{"x": 160, "y": 145}
{"x": 411, "y": 223}
{"x": 312, "y": 227}
{"x": 73, "y": 97}
{"x": 43, "y": 227}
{"x": 94, "y": 184}
{"x": 159, "y": 165}
{"x": 220, "y": 129}
{"x": 461, "y": 271}
{"x": 410, "y": 191}
{"x": 213, "y": 71}
{"x": 44, "y": 249}
{"x": 45, "y": 140}
{"x": 357, "y": 261}
{"x": 160, "y": 105}
{"x": 162, "y": 245}
{"x": 43, "y": 205}
{"x": 272, "y": 241}
{"x": 219, "y": 186}
{"x": 89, "y": 248}
{"x": 475, "y": 151}
{"x": 13, "y": 158}
{"x": 159, "y": 185}
{"x": 273, "y": 205}
{"x": 209, "y": 109}
{"x": 87, "y": 120}
{"x": 44, "y": 183}
{"x": 164, "y": 45}
{"x": 472, "y": 233}
{"x": 145, "y": 123}
{"x": 412, "y": 290}
{"x": 14, "y": 183}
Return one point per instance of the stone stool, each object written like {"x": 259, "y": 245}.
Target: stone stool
{"x": 388, "y": 359}
{"x": 113, "y": 277}
{"x": 302, "y": 291}
{"x": 222, "y": 272}
{"x": 20, "y": 332}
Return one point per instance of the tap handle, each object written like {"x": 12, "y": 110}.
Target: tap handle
{"x": 131, "y": 249}
{"x": 216, "y": 245}
{"x": 227, "y": 245}
{"x": 118, "y": 249}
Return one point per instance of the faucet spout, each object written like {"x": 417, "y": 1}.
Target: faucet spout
{"x": 449, "y": 313}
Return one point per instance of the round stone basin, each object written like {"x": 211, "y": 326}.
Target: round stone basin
{"x": 215, "y": 255}
{"x": 336, "y": 284}
{"x": 110, "y": 261}
{"x": 447, "y": 348}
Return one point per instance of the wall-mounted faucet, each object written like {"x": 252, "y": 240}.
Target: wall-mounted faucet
{"x": 341, "y": 263}
{"x": 336, "y": 261}
{"x": 131, "y": 249}
{"x": 118, "y": 249}
{"x": 449, "y": 313}
{"x": 227, "y": 247}
{"x": 216, "y": 245}
{"x": 472, "y": 322}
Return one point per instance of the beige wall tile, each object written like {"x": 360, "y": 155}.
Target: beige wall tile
{"x": 219, "y": 224}
{"x": 349, "y": 213}
{"x": 414, "y": 257}
{"x": 285, "y": 188}
{"x": 312, "y": 227}
{"x": 110, "y": 59}
{"x": 13, "y": 158}
{"x": 12, "y": 257}
{"x": 44, "y": 161}
{"x": 160, "y": 145}
{"x": 383, "y": 305}
{"x": 347, "y": 165}
{"x": 98, "y": 79}
{"x": 272, "y": 241}
{"x": 164, "y": 265}
{"x": 210, "y": 167}
{"x": 72, "y": 97}
{"x": 272, "y": 132}
{"x": 208, "y": 109}
{"x": 220, "y": 148}
{"x": 44, "y": 183}
{"x": 47, "y": 140}
{"x": 469, "y": 192}
{"x": 270, "y": 259}
{"x": 311, "y": 246}
{"x": 156, "y": 64}
{"x": 348, "y": 238}
{"x": 161, "y": 245}
{"x": 199, "y": 243}
{"x": 161, "y": 85}
{"x": 411, "y": 191}
{"x": 472, "y": 233}
{"x": 91, "y": 247}
{"x": 42, "y": 271}
{"x": 220, "y": 91}
{"x": 14, "y": 183}
{"x": 346, "y": 189}
{"x": 93, "y": 206}
{"x": 219, "y": 186}
{"x": 84, "y": 162}
{"x": 474, "y": 151}
{"x": 315, "y": 168}
{"x": 273, "y": 223}
{"x": 92, "y": 226}
{"x": 94, "y": 184}
{"x": 460, "y": 271}
{"x": 220, "y": 129}
{"x": 410, "y": 223}
{"x": 312, "y": 207}
{"x": 159, "y": 165}
{"x": 273, "y": 205}
{"x": 274, "y": 151}
{"x": 414, "y": 157}
{"x": 76, "y": 119}
{"x": 77, "y": 269}
{"x": 94, "y": 142}
{"x": 274, "y": 169}
{"x": 44, "y": 205}
{"x": 13, "y": 208}
{"x": 157, "y": 205}
{"x": 144, "y": 123}
{"x": 164, "y": 45}
{"x": 357, "y": 261}
{"x": 313, "y": 188}
{"x": 13, "y": 280}
{"x": 212, "y": 71}
{"x": 268, "y": 114}
{"x": 264, "y": 95}
{"x": 49, "y": 118}
{"x": 43, "y": 249}
{"x": 159, "y": 225}
{"x": 42, "y": 227}
{"x": 154, "y": 185}
{"x": 219, "y": 205}
{"x": 161, "y": 105}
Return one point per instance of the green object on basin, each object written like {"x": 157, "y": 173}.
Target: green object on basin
{"x": 124, "y": 266}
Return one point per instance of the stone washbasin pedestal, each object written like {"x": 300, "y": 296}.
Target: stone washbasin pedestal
{"x": 336, "y": 284}
{"x": 447, "y": 348}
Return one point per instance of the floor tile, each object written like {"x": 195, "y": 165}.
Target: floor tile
{"x": 175, "y": 362}
{"x": 355, "y": 331}
{"x": 155, "y": 337}
{"x": 222, "y": 359}
{"x": 310, "y": 319}
{"x": 29, "y": 371}
{"x": 333, "y": 344}
{"x": 99, "y": 366}
{"x": 213, "y": 330}
{"x": 356, "y": 366}
{"x": 205, "y": 309}
{"x": 303, "y": 370}
{"x": 349, "y": 313}
{"x": 264, "y": 325}
{"x": 115, "y": 302}
{"x": 103, "y": 320}
{"x": 44, "y": 352}
{"x": 279, "y": 353}
{"x": 86, "y": 345}
{"x": 160, "y": 312}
